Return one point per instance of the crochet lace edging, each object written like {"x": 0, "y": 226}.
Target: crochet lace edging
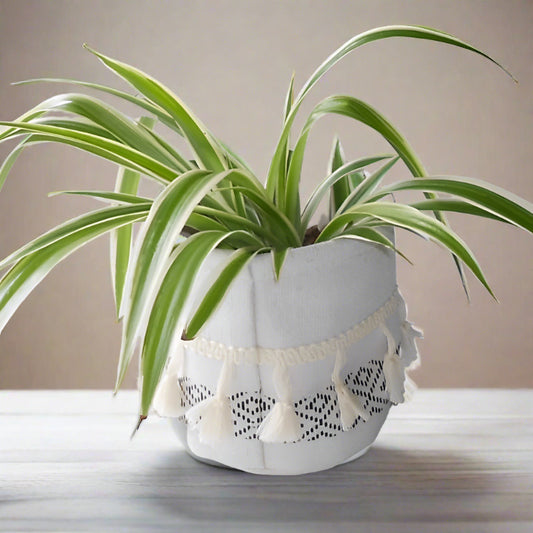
{"x": 297, "y": 354}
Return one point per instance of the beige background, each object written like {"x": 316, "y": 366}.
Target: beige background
{"x": 231, "y": 61}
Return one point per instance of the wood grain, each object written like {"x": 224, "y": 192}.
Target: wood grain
{"x": 451, "y": 460}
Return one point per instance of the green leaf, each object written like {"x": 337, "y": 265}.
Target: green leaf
{"x": 94, "y": 219}
{"x": 106, "y": 196}
{"x": 120, "y": 241}
{"x": 352, "y": 108}
{"x": 457, "y": 206}
{"x": 236, "y": 222}
{"x": 195, "y": 132}
{"x": 418, "y": 32}
{"x": 234, "y": 196}
{"x": 199, "y": 222}
{"x": 494, "y": 199}
{"x": 289, "y": 99}
{"x": 216, "y": 292}
{"x": 79, "y": 124}
{"x": 108, "y": 149}
{"x": 235, "y": 158}
{"x": 272, "y": 217}
{"x": 119, "y": 255}
{"x": 29, "y": 271}
{"x": 161, "y": 115}
{"x": 238, "y": 202}
{"x": 367, "y": 186}
{"x": 409, "y": 218}
{"x": 278, "y": 260}
{"x": 358, "y": 110}
{"x": 179, "y": 160}
{"x": 324, "y": 186}
{"x": 356, "y": 178}
{"x": 245, "y": 180}
{"x": 340, "y": 189}
{"x": 111, "y": 120}
{"x": 168, "y": 215}
{"x": 285, "y": 161}
{"x": 9, "y": 161}
{"x": 166, "y": 317}
{"x": 385, "y": 32}
{"x": 371, "y": 235}
{"x": 164, "y": 117}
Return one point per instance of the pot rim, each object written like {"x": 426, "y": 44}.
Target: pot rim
{"x": 305, "y": 254}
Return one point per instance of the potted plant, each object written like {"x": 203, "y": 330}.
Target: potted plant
{"x": 275, "y": 345}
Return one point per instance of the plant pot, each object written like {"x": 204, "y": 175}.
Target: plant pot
{"x": 287, "y": 350}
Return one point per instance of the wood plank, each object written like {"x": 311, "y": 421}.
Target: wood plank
{"x": 47, "y": 402}
{"x": 112, "y": 432}
{"x": 67, "y": 464}
{"x": 180, "y": 509}
{"x": 426, "y": 403}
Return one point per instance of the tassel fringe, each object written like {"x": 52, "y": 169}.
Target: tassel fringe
{"x": 212, "y": 417}
{"x": 394, "y": 377}
{"x": 409, "y": 351}
{"x": 393, "y": 369}
{"x": 282, "y": 423}
{"x": 410, "y": 388}
{"x": 169, "y": 399}
{"x": 350, "y": 406}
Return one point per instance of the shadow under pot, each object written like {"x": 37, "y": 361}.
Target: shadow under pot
{"x": 296, "y": 375}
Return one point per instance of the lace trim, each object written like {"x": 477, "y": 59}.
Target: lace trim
{"x": 298, "y": 354}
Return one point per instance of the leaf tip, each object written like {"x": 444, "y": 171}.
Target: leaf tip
{"x": 91, "y": 50}
{"x": 278, "y": 260}
{"x": 291, "y": 83}
{"x": 136, "y": 428}
{"x": 493, "y": 295}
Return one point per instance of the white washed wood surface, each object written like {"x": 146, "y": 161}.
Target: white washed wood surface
{"x": 451, "y": 460}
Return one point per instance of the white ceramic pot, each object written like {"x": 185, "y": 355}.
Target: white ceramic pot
{"x": 323, "y": 330}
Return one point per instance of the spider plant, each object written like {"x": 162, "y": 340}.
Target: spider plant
{"x": 209, "y": 198}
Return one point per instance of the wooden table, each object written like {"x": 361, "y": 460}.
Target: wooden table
{"x": 451, "y": 460}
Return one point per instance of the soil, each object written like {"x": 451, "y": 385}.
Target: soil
{"x": 311, "y": 235}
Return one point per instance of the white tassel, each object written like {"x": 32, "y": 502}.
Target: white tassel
{"x": 350, "y": 406}
{"x": 169, "y": 399}
{"x": 282, "y": 423}
{"x": 408, "y": 348}
{"x": 410, "y": 388}
{"x": 212, "y": 417}
{"x": 393, "y": 369}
